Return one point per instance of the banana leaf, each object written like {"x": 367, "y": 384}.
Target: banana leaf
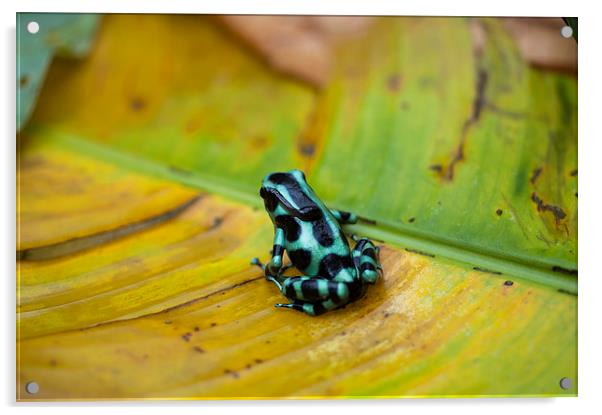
{"x": 138, "y": 214}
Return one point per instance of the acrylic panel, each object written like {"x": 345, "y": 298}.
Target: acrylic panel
{"x": 142, "y": 142}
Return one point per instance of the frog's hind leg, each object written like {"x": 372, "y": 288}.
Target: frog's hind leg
{"x": 305, "y": 288}
{"x": 314, "y": 295}
{"x": 366, "y": 260}
{"x": 344, "y": 217}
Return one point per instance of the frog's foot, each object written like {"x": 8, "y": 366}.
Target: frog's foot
{"x": 343, "y": 217}
{"x": 313, "y": 309}
{"x": 366, "y": 260}
{"x": 304, "y": 307}
{"x": 257, "y": 262}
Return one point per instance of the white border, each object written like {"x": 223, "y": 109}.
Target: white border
{"x": 351, "y": 7}
{"x": 590, "y": 201}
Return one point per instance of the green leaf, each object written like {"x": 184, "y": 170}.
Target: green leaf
{"x": 449, "y": 147}
{"x": 59, "y": 33}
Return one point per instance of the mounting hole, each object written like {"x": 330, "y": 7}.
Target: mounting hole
{"x": 566, "y": 383}
{"x": 566, "y": 31}
{"x": 33, "y": 27}
{"x": 32, "y": 388}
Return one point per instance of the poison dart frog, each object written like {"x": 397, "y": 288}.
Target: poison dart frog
{"x": 311, "y": 234}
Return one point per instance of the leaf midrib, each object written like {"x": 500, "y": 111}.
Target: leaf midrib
{"x": 485, "y": 260}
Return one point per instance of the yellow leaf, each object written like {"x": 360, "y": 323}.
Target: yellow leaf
{"x": 176, "y": 311}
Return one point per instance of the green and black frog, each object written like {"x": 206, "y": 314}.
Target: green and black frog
{"x": 311, "y": 234}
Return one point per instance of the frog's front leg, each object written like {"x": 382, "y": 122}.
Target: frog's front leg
{"x": 344, "y": 217}
{"x": 274, "y": 267}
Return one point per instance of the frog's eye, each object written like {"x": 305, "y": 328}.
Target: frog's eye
{"x": 269, "y": 200}
{"x": 306, "y": 210}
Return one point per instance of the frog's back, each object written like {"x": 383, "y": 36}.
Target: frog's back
{"x": 316, "y": 246}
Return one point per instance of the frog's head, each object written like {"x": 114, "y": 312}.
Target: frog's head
{"x": 291, "y": 192}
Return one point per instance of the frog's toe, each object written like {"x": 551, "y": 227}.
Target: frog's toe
{"x": 294, "y": 306}
{"x": 275, "y": 281}
{"x": 304, "y": 307}
{"x": 291, "y": 305}
{"x": 257, "y": 262}
{"x": 370, "y": 276}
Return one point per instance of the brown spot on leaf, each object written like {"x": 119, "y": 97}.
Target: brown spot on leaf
{"x": 186, "y": 336}
{"x": 394, "y": 82}
{"x": 231, "y": 373}
{"x": 477, "y": 108}
{"x": 198, "y": 349}
{"x": 508, "y": 283}
{"x": 411, "y": 220}
{"x": 307, "y": 149}
{"x": 573, "y": 172}
{"x": 562, "y": 270}
{"x": 436, "y": 167}
{"x": 488, "y": 271}
{"x": 499, "y": 212}
{"x": 558, "y": 213}
{"x": 259, "y": 141}
{"x": 137, "y": 104}
{"x": 535, "y": 174}
{"x": 23, "y": 81}
{"x": 217, "y": 221}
